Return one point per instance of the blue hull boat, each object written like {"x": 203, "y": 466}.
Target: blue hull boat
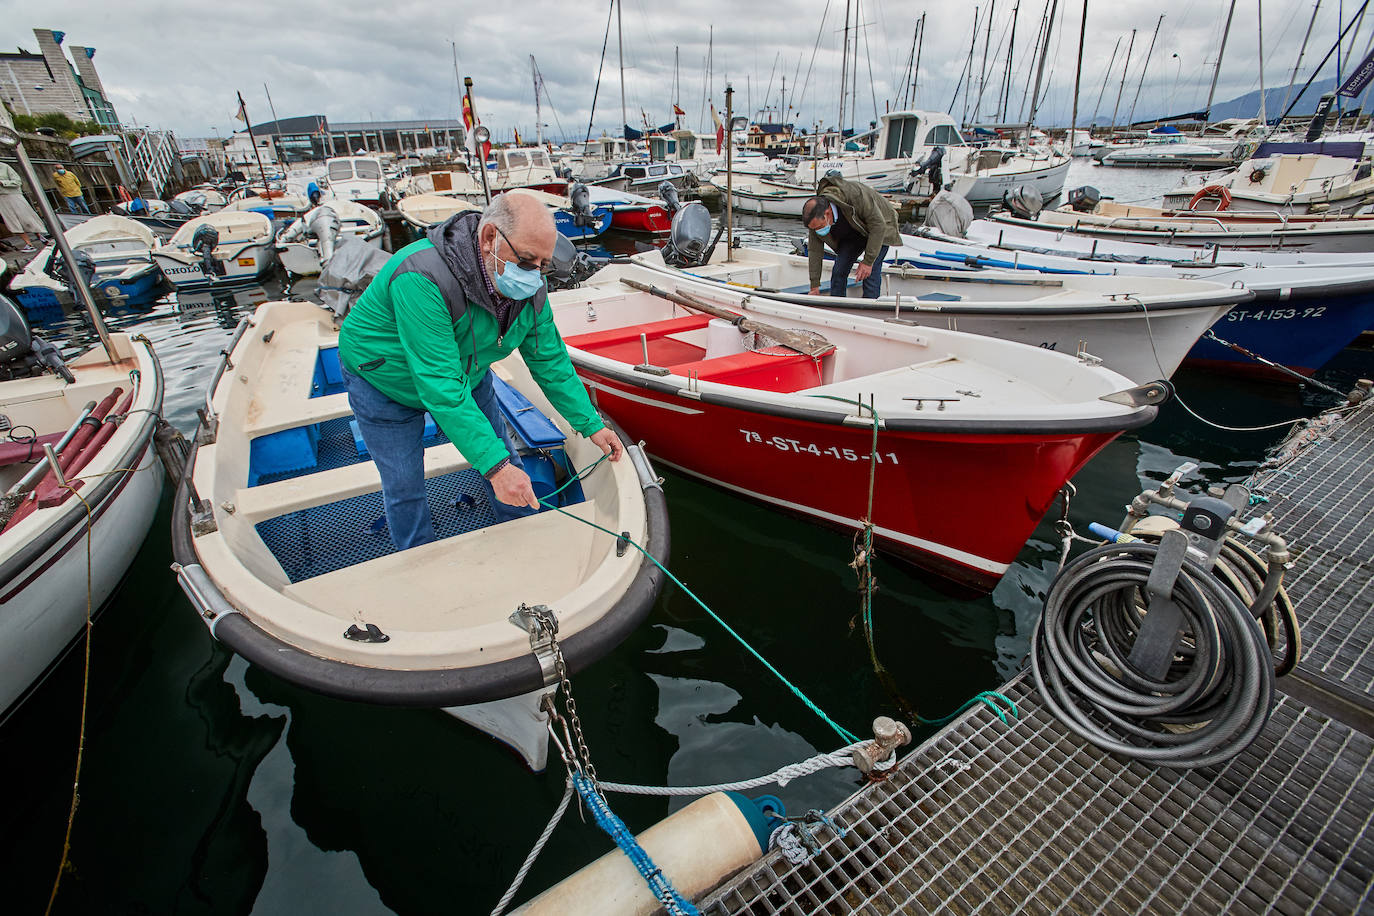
{"x": 567, "y": 224}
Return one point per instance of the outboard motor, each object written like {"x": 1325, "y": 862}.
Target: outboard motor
{"x": 930, "y": 165}
{"x": 1085, "y": 199}
{"x": 22, "y": 353}
{"x": 181, "y": 208}
{"x": 57, "y": 269}
{"x": 570, "y": 265}
{"x": 669, "y": 195}
{"x": 195, "y": 200}
{"x": 325, "y": 227}
{"x": 564, "y": 172}
{"x": 203, "y": 242}
{"x": 949, "y": 214}
{"x": 581, "y": 200}
{"x": 1024, "y": 202}
{"x": 688, "y": 237}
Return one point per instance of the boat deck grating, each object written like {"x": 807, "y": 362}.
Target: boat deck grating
{"x": 340, "y": 534}
{"x": 1028, "y": 818}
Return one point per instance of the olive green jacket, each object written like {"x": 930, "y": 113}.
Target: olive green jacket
{"x": 865, "y": 209}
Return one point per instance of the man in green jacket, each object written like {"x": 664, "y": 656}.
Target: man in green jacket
{"x": 856, "y": 222}
{"x": 422, "y": 337}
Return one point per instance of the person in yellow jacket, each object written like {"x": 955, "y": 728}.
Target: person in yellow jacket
{"x": 69, "y": 186}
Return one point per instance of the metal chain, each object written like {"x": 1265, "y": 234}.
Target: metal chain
{"x": 560, "y": 667}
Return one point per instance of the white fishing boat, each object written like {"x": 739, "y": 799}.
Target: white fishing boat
{"x": 779, "y": 402}
{"x": 226, "y": 246}
{"x": 203, "y": 198}
{"x": 120, "y": 250}
{"x": 420, "y": 211}
{"x": 99, "y": 417}
{"x": 308, "y": 243}
{"x": 1107, "y": 317}
{"x": 280, "y": 537}
{"x": 357, "y": 178}
{"x": 982, "y": 175}
{"x": 1275, "y": 181}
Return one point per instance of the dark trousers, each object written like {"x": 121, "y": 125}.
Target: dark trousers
{"x": 844, "y": 263}
{"x": 394, "y": 436}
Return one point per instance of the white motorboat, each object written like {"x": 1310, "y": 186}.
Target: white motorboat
{"x": 1276, "y": 181}
{"x": 204, "y": 198}
{"x": 305, "y": 246}
{"x": 279, "y": 533}
{"x": 1107, "y": 317}
{"x": 357, "y": 178}
{"x": 121, "y": 251}
{"x": 226, "y": 246}
{"x": 99, "y": 420}
{"x": 420, "y": 211}
{"x": 982, "y": 175}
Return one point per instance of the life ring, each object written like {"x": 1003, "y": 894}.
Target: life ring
{"x": 1222, "y": 195}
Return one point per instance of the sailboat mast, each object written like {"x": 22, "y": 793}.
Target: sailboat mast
{"x": 1124, "y": 70}
{"x": 916, "y": 70}
{"x": 844, "y": 70}
{"x": 968, "y": 66}
{"x": 1216, "y": 72}
{"x": 983, "y": 71}
{"x": 1102, "y": 90}
{"x": 854, "y": 73}
{"x": 1004, "y": 93}
{"x": 1039, "y": 37}
{"x": 1078, "y": 75}
{"x": 620, "y": 44}
{"x": 1259, "y": 27}
{"x": 1301, "y": 51}
{"x": 538, "y": 127}
{"x": 1130, "y": 118}
{"x": 1040, "y": 71}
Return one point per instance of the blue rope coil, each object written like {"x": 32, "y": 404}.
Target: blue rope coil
{"x": 615, "y": 828}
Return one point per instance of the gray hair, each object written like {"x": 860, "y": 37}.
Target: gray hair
{"x": 502, "y": 211}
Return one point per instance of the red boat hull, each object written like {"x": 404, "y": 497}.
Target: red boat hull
{"x": 959, "y": 504}
{"x": 653, "y": 219}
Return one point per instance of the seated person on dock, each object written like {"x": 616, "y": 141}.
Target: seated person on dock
{"x": 423, "y": 336}
{"x": 855, "y": 221}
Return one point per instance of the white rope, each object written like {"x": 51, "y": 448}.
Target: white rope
{"x": 1235, "y": 429}
{"x": 534, "y": 853}
{"x": 840, "y": 758}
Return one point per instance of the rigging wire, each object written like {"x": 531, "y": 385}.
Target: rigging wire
{"x": 592, "y": 117}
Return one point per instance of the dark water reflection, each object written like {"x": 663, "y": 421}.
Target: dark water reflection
{"x": 212, "y": 787}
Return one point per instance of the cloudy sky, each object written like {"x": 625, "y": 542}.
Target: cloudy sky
{"x": 177, "y": 63}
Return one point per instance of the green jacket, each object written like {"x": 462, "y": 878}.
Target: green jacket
{"x": 9, "y": 178}
{"x": 866, "y": 210}
{"x": 403, "y": 337}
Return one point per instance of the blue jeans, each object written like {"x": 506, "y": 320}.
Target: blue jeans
{"x": 844, "y": 262}
{"x": 394, "y": 436}
{"x": 76, "y": 205}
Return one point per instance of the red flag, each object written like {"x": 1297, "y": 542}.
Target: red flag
{"x": 720, "y": 128}
{"x": 679, "y": 112}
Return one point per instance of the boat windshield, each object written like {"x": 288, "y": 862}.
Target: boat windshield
{"x": 367, "y": 169}
{"x": 340, "y": 170}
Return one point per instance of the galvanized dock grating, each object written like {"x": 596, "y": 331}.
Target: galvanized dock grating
{"x": 1027, "y": 818}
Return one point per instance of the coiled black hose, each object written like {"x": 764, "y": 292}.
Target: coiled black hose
{"x": 1219, "y": 689}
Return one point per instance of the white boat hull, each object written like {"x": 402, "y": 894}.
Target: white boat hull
{"x": 988, "y": 188}
{"x": 240, "y": 264}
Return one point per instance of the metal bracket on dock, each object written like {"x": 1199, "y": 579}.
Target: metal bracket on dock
{"x": 888, "y": 735}
{"x": 209, "y": 426}
{"x": 541, "y": 624}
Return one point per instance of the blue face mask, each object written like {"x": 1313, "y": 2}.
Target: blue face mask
{"x": 516, "y": 282}
{"x": 824, "y": 230}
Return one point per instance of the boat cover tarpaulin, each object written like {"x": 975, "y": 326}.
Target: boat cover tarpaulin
{"x": 351, "y": 269}
{"x": 1341, "y": 149}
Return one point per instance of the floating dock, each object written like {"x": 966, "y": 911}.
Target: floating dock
{"x": 1027, "y": 817}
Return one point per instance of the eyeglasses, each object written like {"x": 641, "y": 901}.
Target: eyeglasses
{"x": 521, "y": 261}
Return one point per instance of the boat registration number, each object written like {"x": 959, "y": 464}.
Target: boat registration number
{"x": 1315, "y": 311}
{"x": 245, "y": 262}
{"x": 796, "y": 446}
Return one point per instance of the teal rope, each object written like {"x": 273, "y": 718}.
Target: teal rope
{"x": 990, "y": 698}
{"x": 845, "y": 734}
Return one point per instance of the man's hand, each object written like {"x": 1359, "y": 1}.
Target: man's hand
{"x": 512, "y": 487}
{"x": 609, "y": 443}
{"x": 862, "y": 271}
{"x": 815, "y": 290}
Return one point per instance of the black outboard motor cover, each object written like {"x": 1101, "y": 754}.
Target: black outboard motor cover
{"x": 1085, "y": 199}
{"x": 930, "y": 165}
{"x": 570, "y": 265}
{"x": 57, "y": 268}
{"x": 203, "y": 242}
{"x": 669, "y": 195}
{"x": 182, "y": 208}
{"x": 581, "y": 205}
{"x": 689, "y": 236}
{"x": 1024, "y": 201}
{"x": 16, "y": 340}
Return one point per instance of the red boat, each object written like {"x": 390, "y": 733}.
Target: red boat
{"x": 631, "y": 212}
{"x": 976, "y": 435}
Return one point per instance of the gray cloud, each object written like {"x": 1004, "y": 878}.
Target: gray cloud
{"x": 178, "y": 64}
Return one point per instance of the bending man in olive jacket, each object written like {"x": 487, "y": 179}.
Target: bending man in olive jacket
{"x": 423, "y": 336}
{"x": 856, "y": 222}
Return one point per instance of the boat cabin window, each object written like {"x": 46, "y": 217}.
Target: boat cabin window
{"x": 901, "y": 137}
{"x": 539, "y": 158}
{"x": 942, "y": 135}
{"x": 340, "y": 170}
{"x": 516, "y": 160}
{"x": 634, "y": 171}
{"x": 367, "y": 169}
{"x": 687, "y": 147}
{"x": 658, "y": 171}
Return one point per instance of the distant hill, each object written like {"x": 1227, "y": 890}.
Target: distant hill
{"x": 1247, "y": 106}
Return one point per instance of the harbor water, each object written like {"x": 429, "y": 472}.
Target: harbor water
{"x": 208, "y": 786}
